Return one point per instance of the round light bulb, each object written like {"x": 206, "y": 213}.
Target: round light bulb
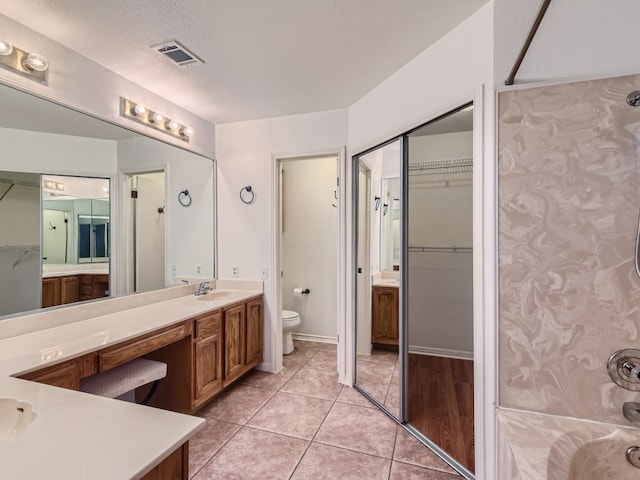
{"x": 35, "y": 62}
{"x": 172, "y": 125}
{"x": 139, "y": 109}
{"x": 186, "y": 131}
{"x": 5, "y": 48}
{"x": 157, "y": 118}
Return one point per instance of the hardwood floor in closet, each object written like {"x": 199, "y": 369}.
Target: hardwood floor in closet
{"x": 441, "y": 403}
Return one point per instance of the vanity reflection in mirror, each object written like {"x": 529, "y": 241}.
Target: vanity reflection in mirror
{"x": 64, "y": 237}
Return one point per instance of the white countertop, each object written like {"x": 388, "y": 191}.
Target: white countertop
{"x": 81, "y": 436}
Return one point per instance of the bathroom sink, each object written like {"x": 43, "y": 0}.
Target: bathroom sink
{"x": 15, "y": 416}
{"x": 214, "y": 295}
{"x": 389, "y": 282}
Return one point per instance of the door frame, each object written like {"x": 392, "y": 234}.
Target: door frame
{"x": 126, "y": 282}
{"x": 276, "y": 257}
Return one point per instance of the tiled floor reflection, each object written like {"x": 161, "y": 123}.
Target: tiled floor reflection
{"x": 378, "y": 374}
{"x": 302, "y": 424}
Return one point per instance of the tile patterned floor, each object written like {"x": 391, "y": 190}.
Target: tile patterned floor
{"x": 302, "y": 424}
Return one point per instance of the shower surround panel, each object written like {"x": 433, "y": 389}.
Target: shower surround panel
{"x": 568, "y": 217}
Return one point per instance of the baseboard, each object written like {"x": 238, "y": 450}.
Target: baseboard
{"x": 265, "y": 367}
{"x": 305, "y": 337}
{"x": 440, "y": 352}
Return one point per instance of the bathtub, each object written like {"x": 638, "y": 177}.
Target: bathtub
{"x": 545, "y": 447}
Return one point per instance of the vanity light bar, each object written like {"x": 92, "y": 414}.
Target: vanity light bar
{"x": 32, "y": 65}
{"x": 52, "y": 185}
{"x": 141, "y": 114}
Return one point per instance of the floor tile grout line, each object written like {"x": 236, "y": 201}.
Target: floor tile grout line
{"x": 217, "y": 451}
{"x": 315, "y": 435}
{"x": 393, "y": 452}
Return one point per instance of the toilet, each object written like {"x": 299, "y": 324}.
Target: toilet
{"x": 290, "y": 320}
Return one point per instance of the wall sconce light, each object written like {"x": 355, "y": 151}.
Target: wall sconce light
{"x": 141, "y": 114}
{"x": 32, "y": 65}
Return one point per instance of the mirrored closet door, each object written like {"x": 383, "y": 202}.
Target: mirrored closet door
{"x": 414, "y": 329}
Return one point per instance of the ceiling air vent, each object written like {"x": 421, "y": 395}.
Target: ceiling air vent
{"x": 177, "y": 53}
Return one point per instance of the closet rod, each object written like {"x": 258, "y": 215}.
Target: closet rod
{"x": 441, "y": 249}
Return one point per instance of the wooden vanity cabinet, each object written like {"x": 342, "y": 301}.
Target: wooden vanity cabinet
{"x": 69, "y": 289}
{"x": 207, "y": 357}
{"x": 242, "y": 339}
{"x": 253, "y": 349}
{"x": 66, "y": 374}
{"x": 93, "y": 286}
{"x": 385, "y": 327}
{"x": 50, "y": 292}
{"x": 65, "y": 289}
{"x": 235, "y": 323}
{"x": 174, "y": 467}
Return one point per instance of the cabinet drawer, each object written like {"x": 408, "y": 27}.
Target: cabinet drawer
{"x": 208, "y": 325}
{"x": 146, "y": 344}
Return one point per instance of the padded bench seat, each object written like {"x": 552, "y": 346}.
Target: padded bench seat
{"x": 124, "y": 378}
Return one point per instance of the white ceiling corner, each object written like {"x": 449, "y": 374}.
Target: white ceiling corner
{"x": 262, "y": 58}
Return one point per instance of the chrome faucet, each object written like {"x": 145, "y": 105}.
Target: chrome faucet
{"x": 203, "y": 288}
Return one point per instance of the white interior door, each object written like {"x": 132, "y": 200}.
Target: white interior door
{"x": 149, "y": 228}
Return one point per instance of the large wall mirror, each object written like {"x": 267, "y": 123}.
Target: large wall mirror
{"x": 414, "y": 282}
{"x": 75, "y": 191}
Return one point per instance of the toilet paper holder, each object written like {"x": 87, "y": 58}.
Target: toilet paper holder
{"x": 301, "y": 291}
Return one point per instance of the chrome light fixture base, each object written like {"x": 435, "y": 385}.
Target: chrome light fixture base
{"x": 19, "y": 61}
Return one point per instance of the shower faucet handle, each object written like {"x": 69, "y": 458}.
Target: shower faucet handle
{"x": 631, "y": 411}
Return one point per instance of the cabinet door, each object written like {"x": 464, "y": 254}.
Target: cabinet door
{"x": 385, "y": 327}
{"x": 69, "y": 289}
{"x": 234, "y": 342}
{"x": 64, "y": 375}
{"x": 254, "y": 332}
{"x": 208, "y": 366}
{"x": 50, "y": 292}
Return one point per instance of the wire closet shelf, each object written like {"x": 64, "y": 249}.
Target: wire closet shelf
{"x": 441, "y": 167}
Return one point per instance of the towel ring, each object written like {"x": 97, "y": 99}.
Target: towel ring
{"x": 184, "y": 198}
{"x": 247, "y": 199}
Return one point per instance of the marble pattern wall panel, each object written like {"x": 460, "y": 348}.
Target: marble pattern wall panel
{"x": 569, "y": 203}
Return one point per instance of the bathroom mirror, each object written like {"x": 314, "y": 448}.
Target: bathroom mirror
{"x": 43, "y": 140}
{"x": 390, "y": 225}
{"x": 75, "y": 221}
{"x": 378, "y": 286}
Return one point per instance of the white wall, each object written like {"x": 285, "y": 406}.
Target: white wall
{"x": 244, "y": 153}
{"x": 577, "y": 38}
{"x": 20, "y": 220}
{"x": 440, "y": 215}
{"x": 59, "y": 154}
{"x": 80, "y": 83}
{"x": 190, "y": 230}
{"x": 310, "y": 243}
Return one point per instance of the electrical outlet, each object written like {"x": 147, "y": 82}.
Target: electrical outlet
{"x": 264, "y": 273}
{"x": 234, "y": 271}
{"x": 198, "y": 269}
{"x": 174, "y": 269}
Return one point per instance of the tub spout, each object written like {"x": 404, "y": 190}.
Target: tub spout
{"x": 631, "y": 411}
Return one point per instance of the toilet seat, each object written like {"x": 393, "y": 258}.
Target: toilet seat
{"x": 290, "y": 317}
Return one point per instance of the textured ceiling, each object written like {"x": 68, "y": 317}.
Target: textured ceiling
{"x": 264, "y": 58}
